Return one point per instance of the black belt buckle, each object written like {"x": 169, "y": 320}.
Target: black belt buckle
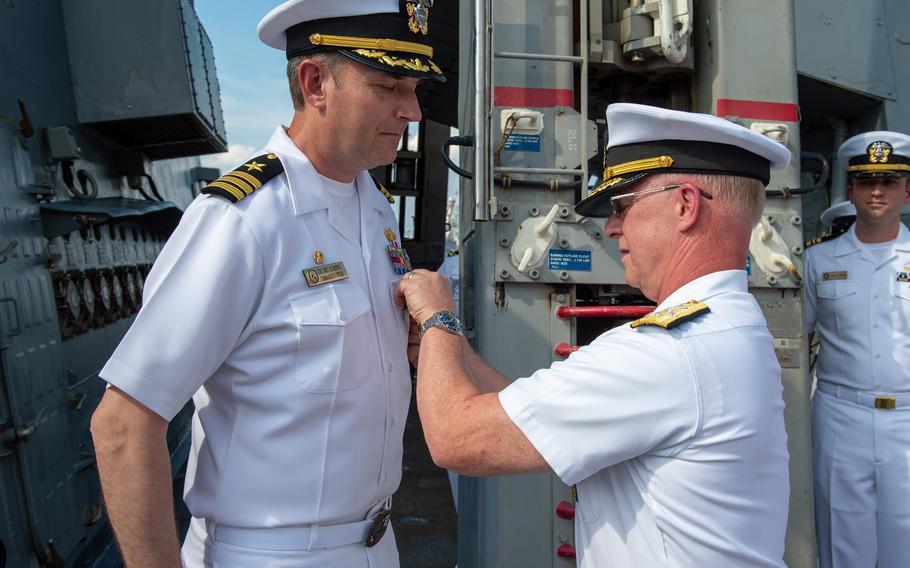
{"x": 377, "y": 529}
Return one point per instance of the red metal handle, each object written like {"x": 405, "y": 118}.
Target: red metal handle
{"x": 565, "y": 510}
{"x": 565, "y": 550}
{"x": 564, "y": 349}
{"x": 603, "y": 311}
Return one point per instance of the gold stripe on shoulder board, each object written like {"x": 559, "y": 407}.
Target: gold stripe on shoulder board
{"x": 671, "y": 317}
{"x": 245, "y": 179}
{"x": 381, "y": 188}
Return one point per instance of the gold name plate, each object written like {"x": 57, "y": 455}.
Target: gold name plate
{"x": 840, "y": 275}
{"x": 319, "y": 275}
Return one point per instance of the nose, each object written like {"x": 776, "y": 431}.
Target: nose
{"x": 409, "y": 108}
{"x": 613, "y": 227}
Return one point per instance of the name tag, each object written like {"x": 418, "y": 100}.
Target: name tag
{"x": 319, "y": 275}
{"x": 840, "y": 275}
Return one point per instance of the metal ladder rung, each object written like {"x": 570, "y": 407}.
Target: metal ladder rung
{"x": 538, "y": 56}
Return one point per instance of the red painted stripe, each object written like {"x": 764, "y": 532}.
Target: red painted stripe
{"x": 762, "y": 110}
{"x": 527, "y": 97}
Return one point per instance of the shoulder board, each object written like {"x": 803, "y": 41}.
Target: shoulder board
{"x": 452, "y": 253}
{"x": 241, "y": 182}
{"x": 671, "y": 317}
{"x": 383, "y": 190}
{"x": 821, "y": 239}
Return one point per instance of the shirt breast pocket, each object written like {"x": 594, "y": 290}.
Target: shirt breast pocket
{"x": 329, "y": 319}
{"x": 837, "y": 301}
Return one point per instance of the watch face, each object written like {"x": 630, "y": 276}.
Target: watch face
{"x": 450, "y": 321}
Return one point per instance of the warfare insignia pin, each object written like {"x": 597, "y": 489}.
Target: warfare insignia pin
{"x": 419, "y": 12}
{"x": 400, "y": 261}
{"x": 879, "y": 152}
{"x": 318, "y": 257}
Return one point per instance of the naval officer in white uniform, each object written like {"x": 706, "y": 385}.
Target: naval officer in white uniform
{"x": 271, "y": 306}
{"x": 670, "y": 427}
{"x": 858, "y": 301}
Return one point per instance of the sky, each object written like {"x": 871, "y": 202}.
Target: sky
{"x": 254, "y": 87}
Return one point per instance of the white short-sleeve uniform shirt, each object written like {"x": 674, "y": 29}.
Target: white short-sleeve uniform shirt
{"x": 675, "y": 438}
{"x": 301, "y": 392}
{"x": 860, "y": 305}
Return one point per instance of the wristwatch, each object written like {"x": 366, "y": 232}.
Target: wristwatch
{"x": 443, "y": 320}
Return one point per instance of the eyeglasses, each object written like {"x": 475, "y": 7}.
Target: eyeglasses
{"x": 620, "y": 209}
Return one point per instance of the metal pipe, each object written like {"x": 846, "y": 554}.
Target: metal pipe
{"x": 482, "y": 86}
{"x": 617, "y": 312}
{"x": 544, "y": 171}
{"x": 583, "y": 111}
{"x": 838, "y": 170}
{"x": 538, "y": 56}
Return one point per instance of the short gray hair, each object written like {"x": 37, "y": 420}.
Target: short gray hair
{"x": 331, "y": 61}
{"x": 740, "y": 195}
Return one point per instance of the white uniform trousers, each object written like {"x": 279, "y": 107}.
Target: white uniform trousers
{"x": 862, "y": 482}
{"x": 200, "y": 550}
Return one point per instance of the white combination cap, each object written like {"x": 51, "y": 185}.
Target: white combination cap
{"x": 879, "y": 153}
{"x": 645, "y": 140}
{"x": 388, "y": 35}
{"x": 838, "y": 211}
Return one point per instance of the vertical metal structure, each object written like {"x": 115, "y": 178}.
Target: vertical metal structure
{"x": 746, "y": 71}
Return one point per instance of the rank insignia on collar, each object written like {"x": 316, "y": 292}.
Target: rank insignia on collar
{"x": 903, "y": 276}
{"x": 318, "y": 257}
{"x": 879, "y": 152}
{"x": 419, "y": 12}
{"x": 671, "y": 317}
{"x": 400, "y": 261}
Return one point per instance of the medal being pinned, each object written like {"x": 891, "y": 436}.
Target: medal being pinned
{"x": 400, "y": 261}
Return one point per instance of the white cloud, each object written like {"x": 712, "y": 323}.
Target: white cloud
{"x": 225, "y": 161}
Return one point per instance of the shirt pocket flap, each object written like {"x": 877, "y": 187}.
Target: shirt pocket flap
{"x": 835, "y": 289}
{"x": 902, "y": 290}
{"x": 329, "y": 305}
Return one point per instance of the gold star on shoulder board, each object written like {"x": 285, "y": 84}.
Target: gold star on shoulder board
{"x": 254, "y": 166}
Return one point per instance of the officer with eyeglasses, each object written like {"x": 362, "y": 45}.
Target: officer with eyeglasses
{"x": 671, "y": 427}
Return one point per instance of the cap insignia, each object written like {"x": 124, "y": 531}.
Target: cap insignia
{"x": 671, "y": 317}
{"x": 419, "y": 15}
{"x": 879, "y": 152}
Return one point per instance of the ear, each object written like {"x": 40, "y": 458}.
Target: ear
{"x": 686, "y": 206}
{"x": 313, "y": 79}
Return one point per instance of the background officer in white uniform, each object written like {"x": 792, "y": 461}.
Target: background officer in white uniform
{"x": 272, "y": 307}
{"x": 671, "y": 427}
{"x": 858, "y": 300}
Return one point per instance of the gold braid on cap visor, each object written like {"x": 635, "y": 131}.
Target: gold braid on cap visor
{"x": 413, "y": 64}
{"x": 879, "y": 168}
{"x": 371, "y": 43}
{"x": 611, "y": 172}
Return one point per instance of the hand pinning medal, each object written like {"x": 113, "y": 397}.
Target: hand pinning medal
{"x": 400, "y": 261}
